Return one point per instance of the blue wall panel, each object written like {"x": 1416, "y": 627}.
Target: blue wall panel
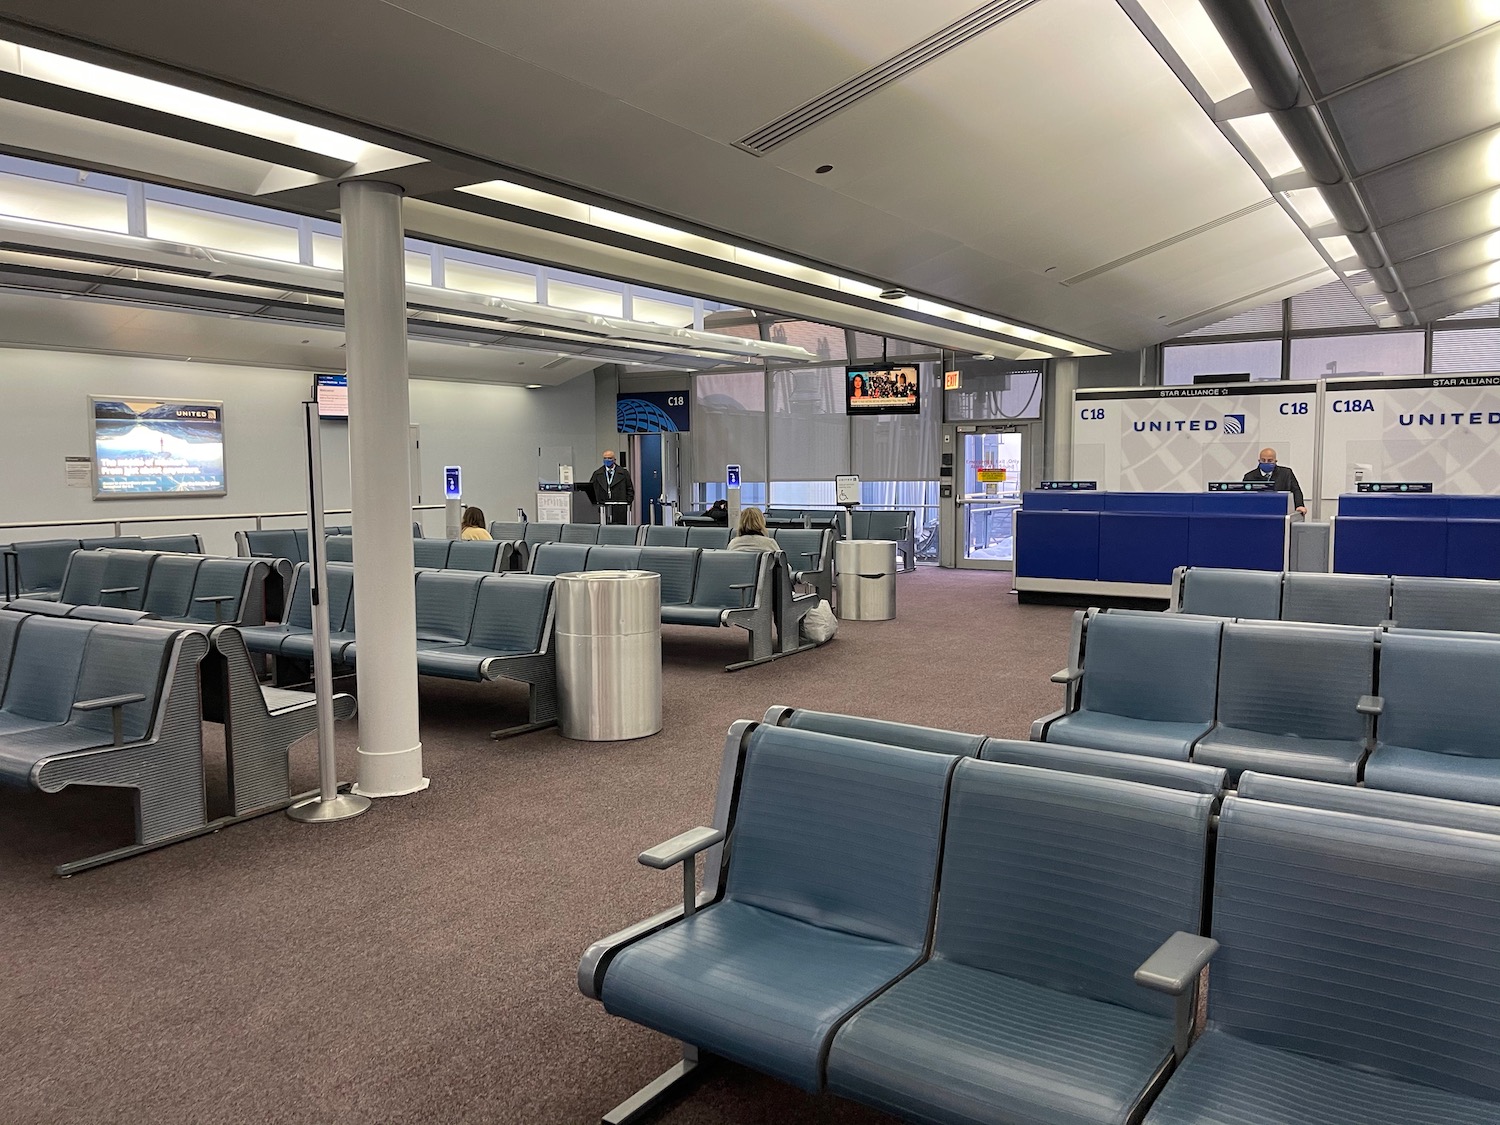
{"x": 1057, "y": 544}
{"x": 1141, "y": 547}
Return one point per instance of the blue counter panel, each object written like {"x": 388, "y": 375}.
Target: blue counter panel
{"x": 1136, "y": 547}
{"x": 1149, "y": 501}
{"x": 1390, "y": 545}
{"x": 1057, "y": 544}
{"x": 1063, "y": 501}
{"x": 1474, "y": 507}
{"x": 1422, "y": 505}
{"x": 1244, "y": 503}
{"x": 1237, "y": 542}
{"x": 1474, "y": 548}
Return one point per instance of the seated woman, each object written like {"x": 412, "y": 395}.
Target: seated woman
{"x": 472, "y": 526}
{"x": 751, "y": 533}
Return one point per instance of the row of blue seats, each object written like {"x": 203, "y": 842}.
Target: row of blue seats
{"x": 149, "y": 747}
{"x": 169, "y": 587}
{"x": 1418, "y": 534}
{"x": 964, "y": 940}
{"x": 617, "y": 535}
{"x": 1286, "y": 698}
{"x": 290, "y": 542}
{"x": 470, "y": 626}
{"x": 1339, "y": 599}
{"x": 488, "y": 556}
{"x": 750, "y": 590}
{"x": 37, "y": 567}
{"x": 1140, "y": 538}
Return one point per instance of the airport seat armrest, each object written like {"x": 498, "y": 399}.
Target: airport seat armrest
{"x": 1176, "y": 963}
{"x": 670, "y": 853}
{"x": 116, "y": 704}
{"x": 1370, "y": 705}
{"x": 119, "y": 589}
{"x": 1388, "y": 623}
{"x": 108, "y": 701}
{"x": 743, "y": 587}
{"x": 1067, "y": 676}
{"x": 683, "y": 849}
{"x": 1174, "y": 969}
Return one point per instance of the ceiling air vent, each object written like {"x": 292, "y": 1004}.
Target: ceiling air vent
{"x": 824, "y": 106}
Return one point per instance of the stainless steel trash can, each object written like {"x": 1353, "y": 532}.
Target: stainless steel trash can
{"x": 867, "y": 579}
{"x": 609, "y": 654}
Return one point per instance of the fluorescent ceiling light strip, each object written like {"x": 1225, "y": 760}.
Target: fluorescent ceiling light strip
{"x": 1263, "y": 138}
{"x": 1310, "y": 206}
{"x": 59, "y": 70}
{"x": 1186, "y": 26}
{"x": 503, "y": 191}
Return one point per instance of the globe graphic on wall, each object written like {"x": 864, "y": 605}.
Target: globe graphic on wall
{"x": 637, "y": 416}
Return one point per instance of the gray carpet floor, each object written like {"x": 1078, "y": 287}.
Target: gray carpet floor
{"x": 417, "y": 964}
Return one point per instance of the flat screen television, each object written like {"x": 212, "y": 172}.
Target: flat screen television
{"x": 157, "y": 447}
{"x": 883, "y": 388}
{"x": 333, "y": 396}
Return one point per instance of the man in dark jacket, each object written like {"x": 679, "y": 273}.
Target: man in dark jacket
{"x": 1282, "y": 479}
{"x": 612, "y": 489}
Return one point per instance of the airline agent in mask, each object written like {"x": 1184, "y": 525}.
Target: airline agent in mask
{"x": 1281, "y": 478}
{"x": 611, "y": 484}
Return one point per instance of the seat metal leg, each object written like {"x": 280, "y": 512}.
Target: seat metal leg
{"x": 661, "y": 1092}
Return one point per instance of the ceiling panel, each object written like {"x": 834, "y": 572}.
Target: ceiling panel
{"x": 1433, "y": 179}
{"x": 1462, "y": 256}
{"x": 1214, "y": 269}
{"x": 1441, "y": 98}
{"x": 1089, "y": 180}
{"x": 1349, "y": 40}
{"x": 1443, "y": 227}
{"x": 1056, "y": 139}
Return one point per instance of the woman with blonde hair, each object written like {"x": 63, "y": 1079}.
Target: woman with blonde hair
{"x": 751, "y": 533}
{"x": 472, "y": 526}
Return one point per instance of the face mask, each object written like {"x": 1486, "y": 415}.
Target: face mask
{"x": 609, "y": 462}
{"x": 1268, "y": 466}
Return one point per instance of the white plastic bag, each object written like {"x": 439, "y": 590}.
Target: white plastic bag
{"x": 820, "y": 625}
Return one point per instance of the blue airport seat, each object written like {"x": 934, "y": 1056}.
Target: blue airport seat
{"x": 1254, "y": 594}
{"x": 1288, "y": 700}
{"x": 1445, "y": 603}
{"x": 339, "y": 598}
{"x": 482, "y": 555}
{"x": 445, "y": 606}
{"x": 709, "y": 538}
{"x": 559, "y": 558}
{"x": 579, "y": 533}
{"x": 614, "y": 558}
{"x": 1055, "y": 888}
{"x": 1358, "y": 978}
{"x": 1412, "y": 807}
{"x": 663, "y": 536}
{"x": 619, "y": 534}
{"x": 1105, "y": 763}
{"x": 1336, "y": 599}
{"x": 827, "y": 898}
{"x": 508, "y": 532}
{"x": 880, "y": 731}
{"x": 510, "y": 617}
{"x": 543, "y": 532}
{"x": 1148, "y": 685}
{"x": 340, "y": 548}
{"x": 430, "y": 553}
{"x": 719, "y": 572}
{"x": 678, "y": 566}
{"x": 1438, "y": 733}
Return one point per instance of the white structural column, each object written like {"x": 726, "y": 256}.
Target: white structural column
{"x": 390, "y": 747}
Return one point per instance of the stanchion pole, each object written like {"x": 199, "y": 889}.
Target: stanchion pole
{"x": 329, "y": 804}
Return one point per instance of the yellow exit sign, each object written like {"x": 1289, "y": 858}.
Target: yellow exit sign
{"x": 991, "y": 476}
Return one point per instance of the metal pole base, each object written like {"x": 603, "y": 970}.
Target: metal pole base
{"x": 318, "y": 811}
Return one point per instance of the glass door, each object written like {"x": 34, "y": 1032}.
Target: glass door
{"x": 991, "y": 472}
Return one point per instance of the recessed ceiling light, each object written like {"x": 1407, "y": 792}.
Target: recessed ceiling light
{"x": 533, "y": 386}
{"x": 822, "y": 168}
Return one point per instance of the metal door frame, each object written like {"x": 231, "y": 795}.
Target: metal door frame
{"x": 952, "y": 526}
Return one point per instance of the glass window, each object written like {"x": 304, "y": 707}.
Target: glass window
{"x": 729, "y": 428}
{"x": 1329, "y": 306}
{"x": 1473, "y": 349}
{"x": 900, "y": 447}
{"x": 1372, "y": 353}
{"x": 234, "y": 233}
{"x": 1488, "y": 311}
{"x": 470, "y": 277}
{"x": 995, "y": 396}
{"x": 1260, "y": 359}
{"x": 824, "y": 341}
{"x": 868, "y": 346}
{"x": 647, "y": 310}
{"x": 74, "y": 205}
{"x": 1260, "y": 321}
{"x": 809, "y": 427}
{"x": 584, "y": 298}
